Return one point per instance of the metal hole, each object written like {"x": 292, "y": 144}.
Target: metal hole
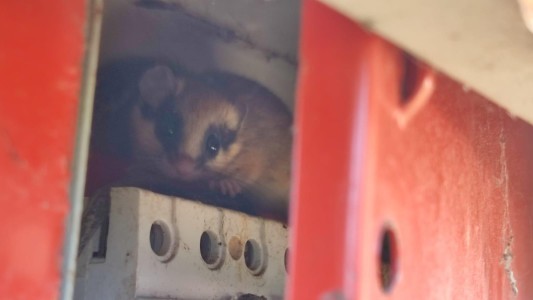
{"x": 235, "y": 248}
{"x": 411, "y": 78}
{"x": 388, "y": 260}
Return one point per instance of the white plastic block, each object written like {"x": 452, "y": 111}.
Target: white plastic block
{"x": 246, "y": 254}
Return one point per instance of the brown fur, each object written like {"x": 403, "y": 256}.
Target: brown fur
{"x": 257, "y": 161}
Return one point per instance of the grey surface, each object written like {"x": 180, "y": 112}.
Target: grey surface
{"x": 483, "y": 44}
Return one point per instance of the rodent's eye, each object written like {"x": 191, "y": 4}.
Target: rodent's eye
{"x": 212, "y": 145}
{"x": 168, "y": 128}
{"x": 170, "y": 123}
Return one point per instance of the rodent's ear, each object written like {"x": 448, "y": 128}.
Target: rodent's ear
{"x": 179, "y": 85}
{"x": 157, "y": 84}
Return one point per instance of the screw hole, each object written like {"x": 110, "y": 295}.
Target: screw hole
{"x": 411, "y": 78}
{"x": 160, "y": 238}
{"x": 210, "y": 249}
{"x": 286, "y": 261}
{"x": 388, "y": 260}
{"x": 253, "y": 256}
{"x": 235, "y": 248}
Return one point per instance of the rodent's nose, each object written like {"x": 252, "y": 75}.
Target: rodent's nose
{"x": 185, "y": 165}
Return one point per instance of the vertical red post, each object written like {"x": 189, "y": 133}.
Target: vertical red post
{"x": 332, "y": 53}
{"x": 42, "y": 44}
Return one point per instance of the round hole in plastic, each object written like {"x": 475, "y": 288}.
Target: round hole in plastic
{"x": 211, "y": 249}
{"x": 160, "y": 238}
{"x": 253, "y": 257}
{"x": 286, "y": 260}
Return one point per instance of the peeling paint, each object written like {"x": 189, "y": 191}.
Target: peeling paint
{"x": 507, "y": 257}
{"x": 507, "y": 261}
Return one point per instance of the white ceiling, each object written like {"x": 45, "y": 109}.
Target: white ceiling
{"x": 482, "y": 43}
{"x": 256, "y": 39}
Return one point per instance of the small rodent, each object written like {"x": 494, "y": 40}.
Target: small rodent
{"x": 219, "y": 131}
{"x": 214, "y": 137}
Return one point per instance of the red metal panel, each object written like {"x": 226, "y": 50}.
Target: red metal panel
{"x": 445, "y": 170}
{"x": 325, "y": 111}
{"x": 40, "y": 66}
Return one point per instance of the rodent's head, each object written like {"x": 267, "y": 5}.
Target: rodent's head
{"x": 197, "y": 126}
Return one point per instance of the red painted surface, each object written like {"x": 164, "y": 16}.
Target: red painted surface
{"x": 40, "y": 67}
{"x": 325, "y": 110}
{"x": 448, "y": 171}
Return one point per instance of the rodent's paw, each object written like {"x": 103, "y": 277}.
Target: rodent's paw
{"x": 227, "y": 187}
